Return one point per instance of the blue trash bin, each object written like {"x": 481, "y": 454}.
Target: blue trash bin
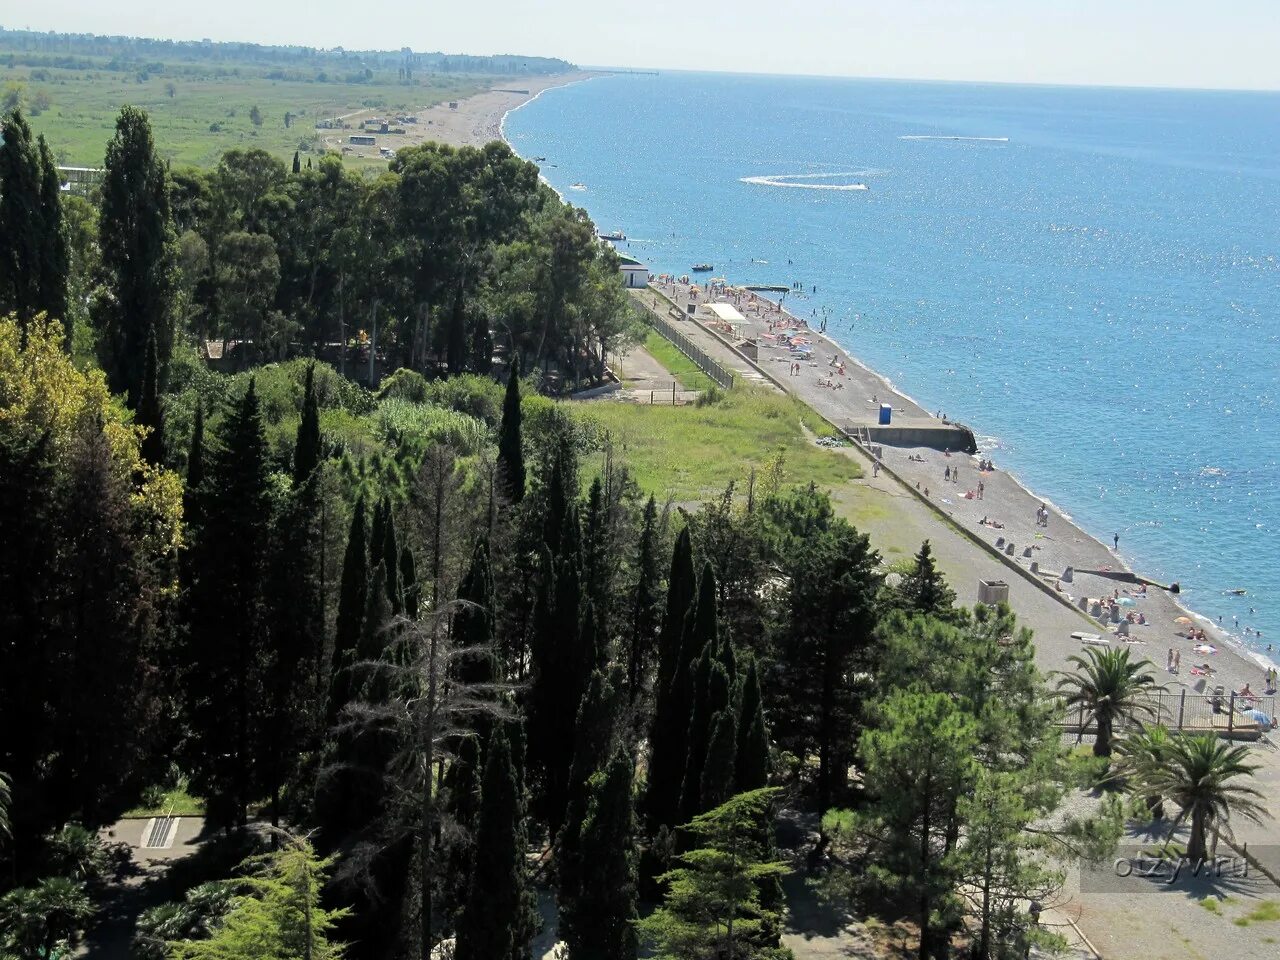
{"x": 886, "y": 412}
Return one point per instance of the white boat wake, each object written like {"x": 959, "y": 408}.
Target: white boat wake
{"x": 970, "y": 139}
{"x": 801, "y": 181}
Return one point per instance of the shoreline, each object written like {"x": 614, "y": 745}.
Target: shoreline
{"x": 1245, "y": 662}
{"x": 480, "y": 118}
{"x": 1063, "y": 542}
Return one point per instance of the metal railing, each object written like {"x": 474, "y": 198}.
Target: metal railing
{"x": 1219, "y": 711}
{"x": 710, "y": 367}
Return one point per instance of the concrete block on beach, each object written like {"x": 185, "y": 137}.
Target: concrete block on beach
{"x": 1008, "y": 550}
{"x": 1026, "y": 552}
{"x": 1095, "y": 609}
{"x": 1068, "y": 575}
{"x": 999, "y": 543}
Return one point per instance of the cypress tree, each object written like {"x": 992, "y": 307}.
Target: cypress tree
{"x": 557, "y": 506}
{"x": 228, "y": 621}
{"x": 307, "y": 447}
{"x": 671, "y": 725}
{"x": 752, "y": 766}
{"x": 55, "y": 249}
{"x": 22, "y": 226}
{"x": 510, "y": 444}
{"x": 461, "y": 804}
{"x": 410, "y": 588}
{"x": 136, "y": 242}
{"x": 297, "y": 162}
{"x": 195, "y": 453}
{"x": 595, "y": 553}
{"x": 644, "y": 599}
{"x": 391, "y": 561}
{"x": 378, "y": 531}
{"x": 150, "y": 413}
{"x": 667, "y": 744}
{"x": 351, "y": 601}
{"x": 594, "y": 739}
{"x": 473, "y": 622}
{"x": 722, "y": 755}
{"x": 599, "y": 924}
{"x": 494, "y": 924}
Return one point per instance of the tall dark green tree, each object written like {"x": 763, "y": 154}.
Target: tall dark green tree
{"x": 595, "y": 739}
{"x": 668, "y": 746}
{"x": 307, "y": 448}
{"x": 55, "y": 248}
{"x": 150, "y": 413}
{"x": 752, "y": 765}
{"x": 135, "y": 241}
{"x": 297, "y": 162}
{"x": 641, "y": 630}
{"x": 924, "y": 590}
{"x": 228, "y": 616}
{"x": 33, "y": 242}
{"x": 351, "y": 601}
{"x": 599, "y": 923}
{"x": 195, "y": 469}
{"x": 494, "y": 924}
{"x": 510, "y": 442}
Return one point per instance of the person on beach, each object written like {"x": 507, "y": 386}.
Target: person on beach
{"x": 946, "y": 474}
{"x": 1115, "y": 537}
{"x": 981, "y": 489}
{"x": 1168, "y": 660}
{"x": 1177, "y": 654}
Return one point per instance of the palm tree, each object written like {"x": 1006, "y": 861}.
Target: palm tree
{"x": 1140, "y": 754}
{"x": 1200, "y": 774}
{"x": 1108, "y": 685}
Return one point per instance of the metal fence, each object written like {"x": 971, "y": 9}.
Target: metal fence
{"x": 691, "y": 350}
{"x": 1217, "y": 710}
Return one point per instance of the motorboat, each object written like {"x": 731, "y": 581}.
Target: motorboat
{"x": 703, "y": 267}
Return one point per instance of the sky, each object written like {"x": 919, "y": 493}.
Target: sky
{"x": 1174, "y": 43}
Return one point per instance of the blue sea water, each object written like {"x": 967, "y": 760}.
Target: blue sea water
{"x": 1099, "y": 296}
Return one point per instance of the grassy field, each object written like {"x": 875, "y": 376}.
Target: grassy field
{"x": 678, "y": 365}
{"x": 692, "y": 452}
{"x": 177, "y": 803}
{"x": 197, "y": 113}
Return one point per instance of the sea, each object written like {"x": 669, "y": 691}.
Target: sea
{"x": 1089, "y": 277}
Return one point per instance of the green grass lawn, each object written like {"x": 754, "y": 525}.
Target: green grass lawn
{"x": 678, "y": 365}
{"x": 80, "y": 107}
{"x": 692, "y": 452}
{"x": 178, "y": 803}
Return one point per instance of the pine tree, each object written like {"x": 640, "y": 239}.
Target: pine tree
{"x": 351, "y": 601}
{"x": 150, "y": 413}
{"x": 644, "y": 602}
{"x": 599, "y": 923}
{"x": 307, "y": 447}
{"x": 510, "y": 443}
{"x": 713, "y": 906}
{"x": 494, "y": 924}
{"x": 456, "y": 336}
{"x": 278, "y": 915}
{"x": 752, "y": 765}
{"x": 668, "y": 745}
{"x": 135, "y": 240}
{"x": 924, "y": 590}
{"x": 228, "y": 616}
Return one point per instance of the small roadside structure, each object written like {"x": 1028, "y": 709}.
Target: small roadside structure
{"x": 634, "y": 273}
{"x": 362, "y": 140}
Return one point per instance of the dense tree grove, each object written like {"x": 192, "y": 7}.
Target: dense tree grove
{"x": 355, "y": 583}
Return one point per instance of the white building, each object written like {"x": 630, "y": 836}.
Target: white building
{"x": 634, "y": 273}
